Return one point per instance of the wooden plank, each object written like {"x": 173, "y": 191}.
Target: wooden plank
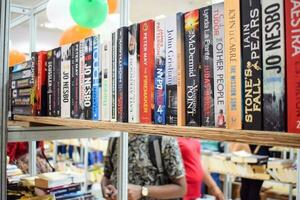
{"x": 21, "y": 123}
{"x": 266, "y": 138}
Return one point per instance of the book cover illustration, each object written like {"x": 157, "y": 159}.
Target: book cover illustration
{"x": 251, "y": 64}
{"x": 192, "y": 68}
{"x": 219, "y": 65}
{"x": 274, "y": 90}
{"x": 207, "y": 68}
{"x": 160, "y": 73}
{"x": 133, "y": 74}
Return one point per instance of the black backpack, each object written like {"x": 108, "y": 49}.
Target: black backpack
{"x": 155, "y": 152}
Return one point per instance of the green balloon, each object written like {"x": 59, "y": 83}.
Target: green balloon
{"x": 89, "y": 13}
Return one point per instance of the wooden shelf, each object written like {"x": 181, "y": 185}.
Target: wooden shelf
{"x": 266, "y": 138}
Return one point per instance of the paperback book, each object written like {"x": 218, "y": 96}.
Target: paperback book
{"x": 97, "y": 79}
{"x": 88, "y": 78}
{"x": 42, "y": 84}
{"x": 57, "y": 81}
{"x": 106, "y": 60}
{"x": 49, "y": 82}
{"x": 75, "y": 80}
{"x": 65, "y": 81}
{"x": 114, "y": 95}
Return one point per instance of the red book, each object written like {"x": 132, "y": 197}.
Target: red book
{"x": 147, "y": 71}
{"x": 293, "y": 64}
{"x": 42, "y": 84}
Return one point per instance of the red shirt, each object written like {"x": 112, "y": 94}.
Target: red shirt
{"x": 191, "y": 152}
{"x": 17, "y": 149}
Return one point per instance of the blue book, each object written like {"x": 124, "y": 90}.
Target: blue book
{"x": 160, "y": 95}
{"x": 96, "y": 91}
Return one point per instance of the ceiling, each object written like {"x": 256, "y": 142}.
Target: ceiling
{"x": 139, "y": 10}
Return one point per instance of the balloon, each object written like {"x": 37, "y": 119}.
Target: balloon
{"x": 16, "y": 57}
{"x": 58, "y": 13}
{"x": 112, "y": 5}
{"x": 74, "y": 34}
{"x": 89, "y": 13}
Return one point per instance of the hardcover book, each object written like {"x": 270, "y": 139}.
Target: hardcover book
{"x": 49, "y": 82}
{"x": 81, "y": 77}
{"x": 122, "y": 74}
{"x": 65, "y": 81}
{"x": 88, "y": 78}
{"x": 133, "y": 74}
{"x": 192, "y": 68}
{"x": 292, "y": 21}
{"x": 56, "y": 81}
{"x": 251, "y": 64}
{"x": 160, "y": 73}
{"x": 106, "y": 61}
{"x": 75, "y": 80}
{"x": 219, "y": 65}
{"x": 181, "y": 108}
{"x": 97, "y": 77}
{"x": 207, "y": 68}
{"x": 171, "y": 69}
{"x": 42, "y": 84}
{"x": 114, "y": 78}
{"x": 233, "y": 63}
{"x": 147, "y": 71}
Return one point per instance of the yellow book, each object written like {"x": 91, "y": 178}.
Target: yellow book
{"x": 233, "y": 63}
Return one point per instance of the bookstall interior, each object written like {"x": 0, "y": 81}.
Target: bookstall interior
{"x": 187, "y": 100}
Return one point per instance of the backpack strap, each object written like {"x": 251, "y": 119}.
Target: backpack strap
{"x": 155, "y": 151}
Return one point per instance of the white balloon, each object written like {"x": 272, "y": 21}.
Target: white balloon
{"x": 58, "y": 13}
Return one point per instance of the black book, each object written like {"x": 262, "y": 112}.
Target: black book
{"x": 122, "y": 74}
{"x": 88, "y": 78}
{"x": 49, "y": 82}
{"x": 21, "y": 110}
{"x": 75, "y": 80}
{"x": 192, "y": 68}
{"x": 57, "y": 81}
{"x": 251, "y": 64}
{"x": 207, "y": 67}
{"x": 10, "y": 92}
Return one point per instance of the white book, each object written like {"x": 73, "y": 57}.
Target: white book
{"x": 66, "y": 81}
{"x": 114, "y": 78}
{"x": 81, "y": 79}
{"x": 171, "y": 69}
{"x": 219, "y": 64}
{"x": 133, "y": 75}
{"x": 106, "y": 61}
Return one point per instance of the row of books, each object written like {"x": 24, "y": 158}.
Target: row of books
{"x": 231, "y": 64}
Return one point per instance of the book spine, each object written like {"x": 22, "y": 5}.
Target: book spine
{"x": 88, "y": 77}
{"x": 114, "y": 78}
{"x": 42, "y": 84}
{"x": 20, "y": 92}
{"x": 171, "y": 69}
{"x": 233, "y": 63}
{"x": 10, "y": 94}
{"x": 122, "y": 76}
{"x": 181, "y": 108}
{"x": 32, "y": 81}
{"x": 293, "y": 57}
{"x": 105, "y": 55}
{"x": 65, "y": 81}
{"x": 81, "y": 78}
{"x": 21, "y": 101}
{"x": 54, "y": 83}
{"x": 96, "y": 93}
{"x": 219, "y": 65}
{"x": 58, "y": 59}
{"x": 50, "y": 82}
{"x": 26, "y": 73}
{"x": 22, "y": 110}
{"x": 72, "y": 81}
{"x": 160, "y": 73}
{"x": 251, "y": 64}
{"x": 274, "y": 91}
{"x": 207, "y": 73}
{"x": 147, "y": 71}
{"x": 192, "y": 68}
{"x": 76, "y": 81}
{"x": 133, "y": 74}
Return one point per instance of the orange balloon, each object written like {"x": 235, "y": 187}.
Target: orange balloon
{"x": 112, "y": 6}
{"x": 75, "y": 34}
{"x": 16, "y": 57}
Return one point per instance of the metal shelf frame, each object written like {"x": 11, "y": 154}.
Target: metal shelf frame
{"x": 18, "y": 134}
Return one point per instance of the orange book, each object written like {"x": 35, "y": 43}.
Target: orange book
{"x": 233, "y": 63}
